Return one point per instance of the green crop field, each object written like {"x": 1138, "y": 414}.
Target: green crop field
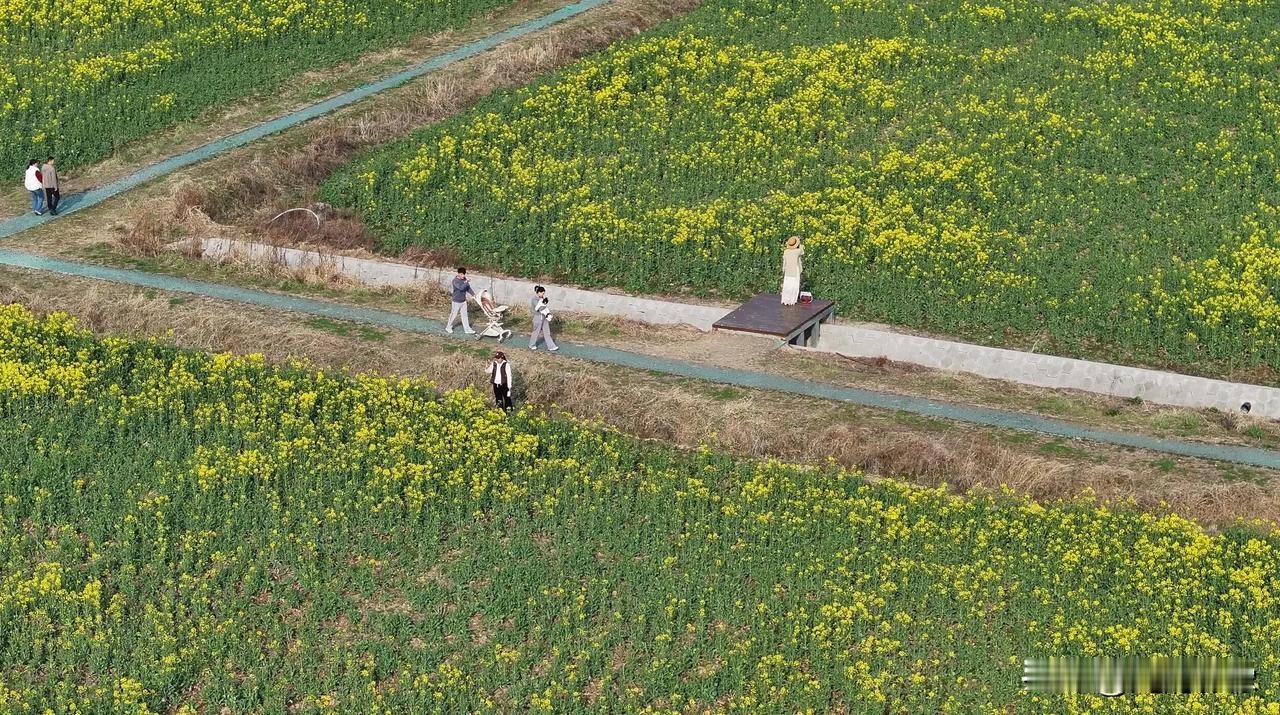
{"x": 82, "y": 78}
{"x": 187, "y": 533}
{"x": 1094, "y": 178}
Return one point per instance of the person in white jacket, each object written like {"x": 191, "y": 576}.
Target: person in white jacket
{"x": 500, "y": 376}
{"x": 35, "y": 185}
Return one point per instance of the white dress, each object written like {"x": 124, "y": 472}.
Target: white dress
{"x": 791, "y": 275}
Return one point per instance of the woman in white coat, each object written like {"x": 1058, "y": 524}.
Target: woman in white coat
{"x": 791, "y": 267}
{"x": 33, "y": 182}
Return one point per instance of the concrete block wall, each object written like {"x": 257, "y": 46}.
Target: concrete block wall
{"x": 853, "y": 340}
{"x": 515, "y": 293}
{"x": 1166, "y": 388}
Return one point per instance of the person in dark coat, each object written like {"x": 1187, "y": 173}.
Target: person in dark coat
{"x": 500, "y": 378}
{"x": 49, "y": 179}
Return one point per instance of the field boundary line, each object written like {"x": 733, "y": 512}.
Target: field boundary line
{"x": 1002, "y": 419}
{"x": 860, "y": 341}
{"x": 76, "y": 202}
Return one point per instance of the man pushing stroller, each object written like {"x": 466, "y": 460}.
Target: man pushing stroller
{"x": 539, "y": 313}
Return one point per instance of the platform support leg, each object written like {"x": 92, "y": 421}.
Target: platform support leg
{"x": 811, "y": 335}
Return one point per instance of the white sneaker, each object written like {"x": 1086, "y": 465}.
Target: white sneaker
{"x": 469, "y": 331}
{"x": 448, "y": 329}
{"x": 554, "y": 349}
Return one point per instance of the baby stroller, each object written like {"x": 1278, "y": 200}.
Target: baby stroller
{"x": 494, "y": 313}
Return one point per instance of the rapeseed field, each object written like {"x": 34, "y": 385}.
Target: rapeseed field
{"x": 185, "y": 533}
{"x": 1095, "y": 179}
{"x": 81, "y": 78}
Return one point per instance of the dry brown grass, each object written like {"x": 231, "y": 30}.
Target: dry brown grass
{"x": 337, "y": 232}
{"x": 158, "y": 223}
{"x": 150, "y": 233}
{"x": 438, "y": 257}
{"x": 327, "y": 276}
{"x": 752, "y": 424}
{"x": 253, "y": 191}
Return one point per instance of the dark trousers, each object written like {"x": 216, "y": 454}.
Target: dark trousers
{"x": 51, "y": 199}
{"x": 502, "y": 397}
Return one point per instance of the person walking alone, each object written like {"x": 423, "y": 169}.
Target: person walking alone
{"x": 500, "y": 376}
{"x": 35, "y": 185}
{"x": 792, "y": 264}
{"x": 49, "y": 179}
{"x": 540, "y": 312}
{"x": 461, "y": 289}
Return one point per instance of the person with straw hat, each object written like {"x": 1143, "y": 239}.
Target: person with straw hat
{"x": 791, "y": 267}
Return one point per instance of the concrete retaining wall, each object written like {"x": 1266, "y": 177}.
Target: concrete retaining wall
{"x": 515, "y": 293}
{"x": 1165, "y": 388}
{"x": 852, "y": 340}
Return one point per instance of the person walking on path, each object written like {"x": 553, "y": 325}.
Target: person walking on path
{"x": 791, "y": 267}
{"x": 49, "y": 179}
{"x": 461, "y": 289}
{"x": 541, "y": 315}
{"x": 35, "y": 185}
{"x": 500, "y": 376}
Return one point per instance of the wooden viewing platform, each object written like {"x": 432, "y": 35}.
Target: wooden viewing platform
{"x": 766, "y": 315}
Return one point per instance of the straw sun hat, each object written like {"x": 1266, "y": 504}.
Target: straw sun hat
{"x": 793, "y": 242}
